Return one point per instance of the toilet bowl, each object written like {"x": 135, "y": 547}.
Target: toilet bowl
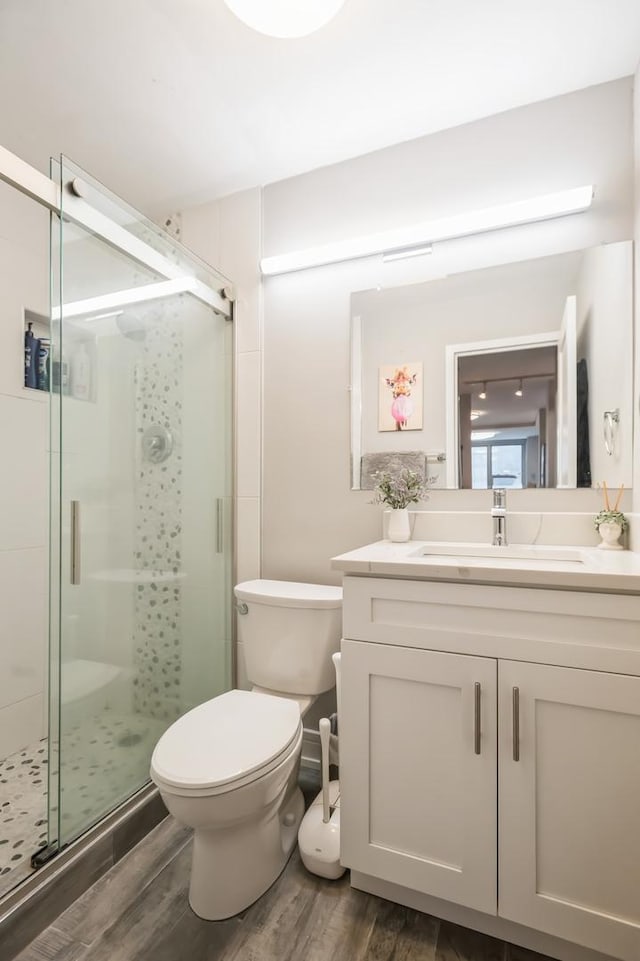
{"x": 229, "y": 767}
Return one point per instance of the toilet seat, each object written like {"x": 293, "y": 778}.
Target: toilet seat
{"x": 226, "y": 742}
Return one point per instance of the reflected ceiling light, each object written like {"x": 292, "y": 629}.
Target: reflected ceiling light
{"x": 475, "y": 414}
{"x": 483, "y": 393}
{"x": 407, "y": 252}
{"x": 545, "y": 207}
{"x": 482, "y": 434}
{"x": 108, "y": 303}
{"x": 112, "y": 313}
{"x": 285, "y": 19}
{"x": 519, "y": 388}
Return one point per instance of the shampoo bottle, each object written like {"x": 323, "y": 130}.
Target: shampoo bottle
{"x": 31, "y": 346}
{"x": 59, "y": 371}
{"x": 81, "y": 373}
{"x": 43, "y": 366}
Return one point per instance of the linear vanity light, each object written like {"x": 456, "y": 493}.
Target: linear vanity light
{"x": 533, "y": 210}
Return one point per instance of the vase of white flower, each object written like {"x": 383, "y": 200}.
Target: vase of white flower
{"x": 397, "y": 491}
{"x": 399, "y": 529}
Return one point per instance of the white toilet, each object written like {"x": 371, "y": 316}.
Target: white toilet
{"x": 229, "y": 767}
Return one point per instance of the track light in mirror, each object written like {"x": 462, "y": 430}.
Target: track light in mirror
{"x": 285, "y": 19}
{"x": 519, "y": 389}
{"x": 483, "y": 393}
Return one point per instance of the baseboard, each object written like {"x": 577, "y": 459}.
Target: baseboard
{"x": 310, "y": 749}
{"x": 496, "y": 927}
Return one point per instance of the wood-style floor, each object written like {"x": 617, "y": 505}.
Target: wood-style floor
{"x": 138, "y": 911}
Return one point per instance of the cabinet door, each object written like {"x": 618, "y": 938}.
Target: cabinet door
{"x": 569, "y": 801}
{"x": 418, "y": 770}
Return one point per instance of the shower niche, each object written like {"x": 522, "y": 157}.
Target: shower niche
{"x": 68, "y": 368}
{"x": 37, "y": 342}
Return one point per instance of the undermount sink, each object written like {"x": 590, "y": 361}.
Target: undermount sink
{"x": 516, "y": 552}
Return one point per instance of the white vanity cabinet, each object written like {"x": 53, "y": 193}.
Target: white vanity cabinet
{"x": 509, "y": 785}
{"x": 569, "y": 806}
{"x": 420, "y": 768}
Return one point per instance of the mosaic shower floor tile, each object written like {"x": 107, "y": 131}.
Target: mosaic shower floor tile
{"x": 103, "y": 760}
{"x": 23, "y": 811}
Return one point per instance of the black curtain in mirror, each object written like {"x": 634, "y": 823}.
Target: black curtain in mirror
{"x": 584, "y": 453}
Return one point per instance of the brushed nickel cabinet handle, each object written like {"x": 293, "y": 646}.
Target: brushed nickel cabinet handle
{"x": 477, "y": 717}
{"x": 516, "y": 723}
{"x": 75, "y": 542}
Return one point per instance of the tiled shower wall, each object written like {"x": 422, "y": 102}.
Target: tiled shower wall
{"x": 24, "y": 427}
{"x": 158, "y": 523}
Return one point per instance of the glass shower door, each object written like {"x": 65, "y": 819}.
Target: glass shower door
{"x": 141, "y": 368}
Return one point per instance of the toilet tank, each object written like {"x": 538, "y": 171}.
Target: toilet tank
{"x": 289, "y": 632}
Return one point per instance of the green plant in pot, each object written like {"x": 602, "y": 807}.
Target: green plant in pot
{"x": 398, "y": 491}
{"x": 610, "y": 523}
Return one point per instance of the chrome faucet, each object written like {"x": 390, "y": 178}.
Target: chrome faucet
{"x": 499, "y": 516}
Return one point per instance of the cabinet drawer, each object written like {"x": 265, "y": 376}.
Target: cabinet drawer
{"x": 592, "y": 631}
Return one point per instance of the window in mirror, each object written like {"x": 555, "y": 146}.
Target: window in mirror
{"x": 507, "y": 418}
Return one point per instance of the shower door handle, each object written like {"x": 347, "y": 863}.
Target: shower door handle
{"x": 75, "y": 542}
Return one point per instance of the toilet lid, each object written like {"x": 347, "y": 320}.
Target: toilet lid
{"x": 289, "y": 594}
{"x": 225, "y": 739}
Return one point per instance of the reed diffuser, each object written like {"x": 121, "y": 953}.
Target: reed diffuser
{"x": 610, "y": 522}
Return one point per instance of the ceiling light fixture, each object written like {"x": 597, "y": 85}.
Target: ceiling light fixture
{"x": 285, "y": 19}
{"x": 544, "y": 207}
{"x": 483, "y": 393}
{"x": 519, "y": 388}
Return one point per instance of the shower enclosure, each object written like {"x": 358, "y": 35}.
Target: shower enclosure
{"x": 140, "y": 368}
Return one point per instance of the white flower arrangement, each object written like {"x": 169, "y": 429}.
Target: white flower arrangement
{"x": 397, "y": 491}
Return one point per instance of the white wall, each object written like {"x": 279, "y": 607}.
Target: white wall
{"x": 586, "y": 137}
{"x": 24, "y": 432}
{"x": 605, "y": 338}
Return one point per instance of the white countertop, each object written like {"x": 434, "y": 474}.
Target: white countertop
{"x": 573, "y": 568}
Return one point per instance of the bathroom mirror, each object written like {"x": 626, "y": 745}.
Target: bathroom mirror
{"x": 517, "y": 375}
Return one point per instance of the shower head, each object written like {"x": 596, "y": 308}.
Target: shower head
{"x": 132, "y": 325}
